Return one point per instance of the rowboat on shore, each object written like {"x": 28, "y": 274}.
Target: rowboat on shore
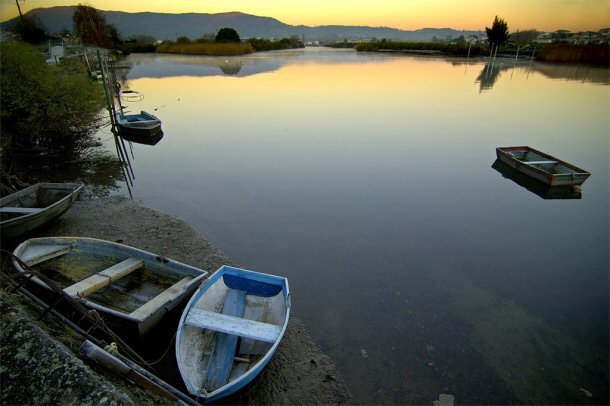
{"x": 142, "y": 125}
{"x": 133, "y": 287}
{"x": 541, "y": 166}
{"x": 35, "y": 206}
{"x": 229, "y": 331}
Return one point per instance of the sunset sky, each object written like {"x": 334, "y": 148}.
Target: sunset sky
{"x": 546, "y": 15}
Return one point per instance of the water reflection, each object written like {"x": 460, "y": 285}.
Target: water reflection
{"x": 493, "y": 69}
{"x": 364, "y": 178}
{"x": 97, "y": 168}
{"x": 541, "y": 189}
{"x": 489, "y": 75}
{"x": 149, "y": 139}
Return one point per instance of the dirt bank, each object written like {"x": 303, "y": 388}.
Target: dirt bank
{"x": 298, "y": 373}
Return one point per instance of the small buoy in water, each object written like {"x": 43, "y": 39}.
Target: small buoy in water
{"x": 577, "y": 189}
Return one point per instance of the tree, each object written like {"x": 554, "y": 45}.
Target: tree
{"x": 30, "y": 29}
{"x": 498, "y": 33}
{"x": 54, "y": 107}
{"x": 227, "y": 35}
{"x": 91, "y": 26}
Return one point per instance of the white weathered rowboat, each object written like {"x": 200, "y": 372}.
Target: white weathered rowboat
{"x": 230, "y": 329}
{"x": 136, "y": 288}
{"x": 141, "y": 125}
{"x": 541, "y": 166}
{"x": 34, "y": 206}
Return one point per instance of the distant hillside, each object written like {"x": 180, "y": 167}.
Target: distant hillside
{"x": 193, "y": 25}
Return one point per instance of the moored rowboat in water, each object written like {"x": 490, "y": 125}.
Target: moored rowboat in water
{"x": 141, "y": 125}
{"x": 134, "y": 287}
{"x": 35, "y": 206}
{"x": 230, "y": 329}
{"x": 541, "y": 166}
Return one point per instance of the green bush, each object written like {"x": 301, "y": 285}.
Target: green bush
{"x": 55, "y": 108}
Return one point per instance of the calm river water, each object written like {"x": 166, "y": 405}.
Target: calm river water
{"x": 367, "y": 180}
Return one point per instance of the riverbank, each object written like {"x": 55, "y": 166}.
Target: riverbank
{"x": 43, "y": 353}
{"x": 551, "y": 53}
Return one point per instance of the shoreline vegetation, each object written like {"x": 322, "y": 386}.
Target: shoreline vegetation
{"x": 211, "y": 49}
{"x": 184, "y": 46}
{"x": 552, "y": 53}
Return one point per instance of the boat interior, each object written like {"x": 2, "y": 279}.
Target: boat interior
{"x": 32, "y": 202}
{"x": 541, "y": 162}
{"x": 229, "y": 331}
{"x": 127, "y": 285}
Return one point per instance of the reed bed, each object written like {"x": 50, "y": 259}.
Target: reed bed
{"x": 224, "y": 49}
{"x": 565, "y": 53}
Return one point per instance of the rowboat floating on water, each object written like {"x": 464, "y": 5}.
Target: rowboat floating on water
{"x": 134, "y": 287}
{"x": 230, "y": 329}
{"x": 541, "y": 166}
{"x": 142, "y": 125}
{"x": 35, "y": 206}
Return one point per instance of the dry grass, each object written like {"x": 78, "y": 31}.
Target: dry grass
{"x": 206, "y": 49}
{"x": 590, "y": 54}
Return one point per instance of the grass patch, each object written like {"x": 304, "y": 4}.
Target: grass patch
{"x": 565, "y": 53}
{"x": 224, "y": 49}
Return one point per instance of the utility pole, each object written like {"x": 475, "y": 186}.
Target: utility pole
{"x": 19, "y": 8}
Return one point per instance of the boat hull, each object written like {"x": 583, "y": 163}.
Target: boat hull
{"x": 15, "y": 225}
{"x": 135, "y": 300}
{"x": 266, "y": 305}
{"x": 143, "y": 125}
{"x": 542, "y": 167}
{"x": 541, "y": 189}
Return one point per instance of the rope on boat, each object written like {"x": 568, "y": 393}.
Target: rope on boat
{"x": 92, "y": 316}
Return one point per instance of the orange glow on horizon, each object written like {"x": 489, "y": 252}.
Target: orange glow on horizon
{"x": 574, "y": 15}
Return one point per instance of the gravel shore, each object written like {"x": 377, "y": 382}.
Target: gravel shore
{"x": 299, "y": 373}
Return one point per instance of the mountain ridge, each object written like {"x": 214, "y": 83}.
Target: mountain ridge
{"x": 166, "y": 26}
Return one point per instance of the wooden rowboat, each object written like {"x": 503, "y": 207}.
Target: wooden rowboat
{"x": 134, "y": 287}
{"x": 34, "y": 206}
{"x": 142, "y": 125}
{"x": 541, "y": 166}
{"x": 230, "y": 329}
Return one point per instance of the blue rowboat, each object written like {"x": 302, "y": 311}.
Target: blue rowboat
{"x": 229, "y": 331}
{"x": 138, "y": 125}
{"x": 35, "y": 206}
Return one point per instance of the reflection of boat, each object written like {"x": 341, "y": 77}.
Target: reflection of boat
{"x": 541, "y": 166}
{"x": 134, "y": 287}
{"x": 148, "y": 139}
{"x": 143, "y": 124}
{"x": 130, "y": 95}
{"x": 230, "y": 329}
{"x": 34, "y": 206}
{"x": 541, "y": 189}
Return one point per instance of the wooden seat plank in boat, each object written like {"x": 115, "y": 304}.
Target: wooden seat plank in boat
{"x": 20, "y": 210}
{"x": 233, "y": 325}
{"x": 540, "y": 162}
{"x": 221, "y": 358}
{"x": 152, "y": 305}
{"x": 104, "y": 278}
{"x": 45, "y": 253}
